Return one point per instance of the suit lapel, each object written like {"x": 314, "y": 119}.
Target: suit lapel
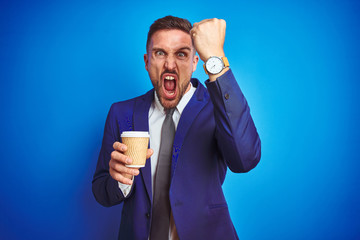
{"x": 141, "y": 123}
{"x": 192, "y": 109}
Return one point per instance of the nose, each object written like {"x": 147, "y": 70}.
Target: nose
{"x": 170, "y": 63}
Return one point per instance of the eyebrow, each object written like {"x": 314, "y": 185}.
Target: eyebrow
{"x": 180, "y": 49}
{"x": 158, "y": 49}
{"x": 184, "y": 48}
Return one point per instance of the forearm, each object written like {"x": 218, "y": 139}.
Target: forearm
{"x": 236, "y": 134}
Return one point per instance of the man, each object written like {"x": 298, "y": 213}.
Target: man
{"x": 214, "y": 130}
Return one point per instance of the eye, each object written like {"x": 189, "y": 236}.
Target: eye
{"x": 159, "y": 53}
{"x": 181, "y": 54}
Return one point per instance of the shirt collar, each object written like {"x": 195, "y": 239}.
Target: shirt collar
{"x": 181, "y": 105}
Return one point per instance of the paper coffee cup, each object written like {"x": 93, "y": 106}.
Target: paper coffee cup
{"x": 137, "y": 143}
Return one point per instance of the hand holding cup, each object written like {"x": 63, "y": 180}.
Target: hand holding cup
{"x": 117, "y": 164}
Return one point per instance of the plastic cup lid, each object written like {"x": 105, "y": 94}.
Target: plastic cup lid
{"x": 135, "y": 134}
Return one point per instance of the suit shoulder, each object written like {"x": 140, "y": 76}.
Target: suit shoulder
{"x": 128, "y": 105}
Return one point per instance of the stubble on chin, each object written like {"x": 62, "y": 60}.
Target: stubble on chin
{"x": 166, "y": 103}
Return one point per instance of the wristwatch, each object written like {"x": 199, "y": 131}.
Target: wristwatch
{"x": 215, "y": 65}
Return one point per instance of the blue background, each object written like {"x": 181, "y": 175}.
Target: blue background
{"x": 62, "y": 64}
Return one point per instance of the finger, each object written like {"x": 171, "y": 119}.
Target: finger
{"x": 120, "y": 157}
{"x": 223, "y": 22}
{"x": 119, "y": 146}
{"x": 122, "y": 169}
{"x": 119, "y": 177}
{"x": 149, "y": 153}
{"x": 202, "y": 21}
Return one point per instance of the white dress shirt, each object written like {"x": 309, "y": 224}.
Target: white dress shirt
{"x": 156, "y": 118}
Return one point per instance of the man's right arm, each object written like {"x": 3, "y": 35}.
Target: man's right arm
{"x": 111, "y": 169}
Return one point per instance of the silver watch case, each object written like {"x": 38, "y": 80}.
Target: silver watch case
{"x": 214, "y": 65}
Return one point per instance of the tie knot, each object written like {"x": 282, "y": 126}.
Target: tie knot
{"x": 170, "y": 112}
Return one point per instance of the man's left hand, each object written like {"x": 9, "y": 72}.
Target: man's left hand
{"x": 209, "y": 37}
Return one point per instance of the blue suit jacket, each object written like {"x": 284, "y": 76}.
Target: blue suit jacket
{"x": 215, "y": 131}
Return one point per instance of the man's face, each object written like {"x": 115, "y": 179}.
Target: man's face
{"x": 170, "y": 62}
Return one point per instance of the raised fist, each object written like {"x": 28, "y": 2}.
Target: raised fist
{"x": 209, "y": 37}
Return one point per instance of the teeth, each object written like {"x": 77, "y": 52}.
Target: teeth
{"x": 169, "y": 78}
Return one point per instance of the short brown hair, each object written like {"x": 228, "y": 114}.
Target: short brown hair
{"x": 168, "y": 22}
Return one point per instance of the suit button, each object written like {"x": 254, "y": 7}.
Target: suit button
{"x": 226, "y": 96}
{"x": 147, "y": 215}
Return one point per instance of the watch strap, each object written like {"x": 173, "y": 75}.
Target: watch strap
{"x": 226, "y": 62}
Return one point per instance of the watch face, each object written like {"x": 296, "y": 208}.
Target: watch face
{"x": 214, "y": 65}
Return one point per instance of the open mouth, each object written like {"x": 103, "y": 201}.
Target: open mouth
{"x": 169, "y": 85}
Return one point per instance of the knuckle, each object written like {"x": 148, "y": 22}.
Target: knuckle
{"x": 113, "y": 154}
{"x": 214, "y": 21}
{"x": 118, "y": 177}
{"x": 123, "y": 158}
{"x": 122, "y": 179}
{"x": 112, "y": 173}
{"x": 118, "y": 145}
{"x": 122, "y": 147}
{"x": 122, "y": 168}
{"x": 113, "y": 166}
{"x": 129, "y": 171}
{"x": 115, "y": 175}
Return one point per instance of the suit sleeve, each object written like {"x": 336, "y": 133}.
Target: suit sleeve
{"x": 105, "y": 189}
{"x": 235, "y": 132}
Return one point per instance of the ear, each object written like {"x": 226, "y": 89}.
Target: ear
{"x": 195, "y": 62}
{"x": 146, "y": 60}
